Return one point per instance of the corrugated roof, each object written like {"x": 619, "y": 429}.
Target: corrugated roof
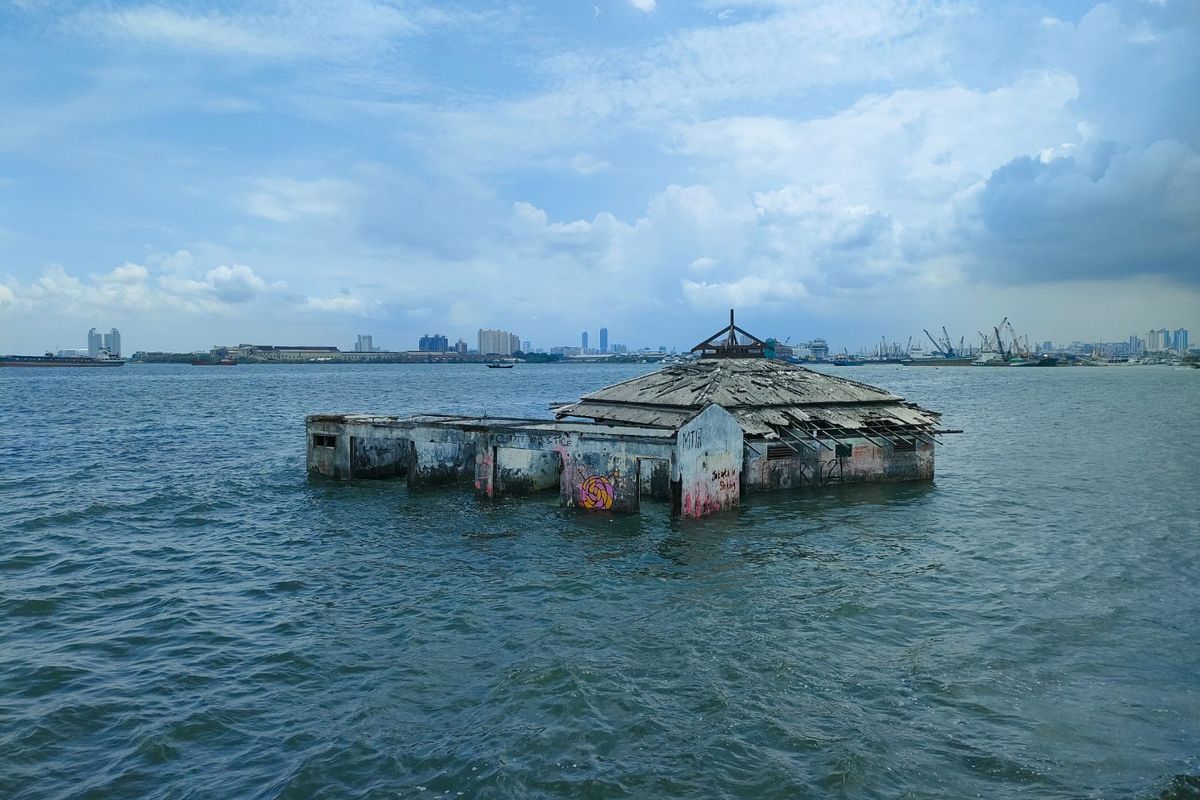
{"x": 764, "y": 394}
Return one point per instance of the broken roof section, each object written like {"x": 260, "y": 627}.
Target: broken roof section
{"x": 771, "y": 399}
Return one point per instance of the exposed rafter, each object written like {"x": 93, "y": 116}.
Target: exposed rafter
{"x": 725, "y": 343}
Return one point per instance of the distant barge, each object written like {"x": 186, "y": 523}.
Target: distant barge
{"x": 49, "y": 360}
{"x": 697, "y": 435}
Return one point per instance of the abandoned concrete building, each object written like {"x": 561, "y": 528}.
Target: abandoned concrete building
{"x": 698, "y": 435}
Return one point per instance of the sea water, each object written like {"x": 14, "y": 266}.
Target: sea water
{"x": 185, "y": 614}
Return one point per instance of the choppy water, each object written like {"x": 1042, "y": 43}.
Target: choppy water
{"x": 183, "y": 614}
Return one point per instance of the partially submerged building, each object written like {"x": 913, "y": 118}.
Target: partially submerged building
{"x": 699, "y": 435}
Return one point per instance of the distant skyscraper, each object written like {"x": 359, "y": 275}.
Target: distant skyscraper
{"x": 95, "y": 343}
{"x": 364, "y": 344}
{"x": 604, "y": 340}
{"x": 526, "y": 346}
{"x": 585, "y": 341}
{"x": 1179, "y": 340}
{"x": 435, "y": 343}
{"x": 460, "y": 347}
{"x": 498, "y": 343}
{"x": 112, "y": 342}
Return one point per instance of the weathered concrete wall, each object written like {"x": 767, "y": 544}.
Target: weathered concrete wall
{"x": 520, "y": 471}
{"x": 702, "y": 469}
{"x": 709, "y": 463}
{"x": 441, "y": 456}
{"x": 762, "y": 474}
{"x": 655, "y": 477}
{"x": 602, "y": 474}
{"x": 865, "y": 461}
{"x": 358, "y": 451}
{"x": 323, "y": 459}
{"x": 377, "y": 457}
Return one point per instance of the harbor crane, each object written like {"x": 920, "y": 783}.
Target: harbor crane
{"x": 1004, "y": 351}
{"x": 944, "y": 346}
{"x": 937, "y": 345}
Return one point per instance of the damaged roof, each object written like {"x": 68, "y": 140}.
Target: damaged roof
{"x": 764, "y": 394}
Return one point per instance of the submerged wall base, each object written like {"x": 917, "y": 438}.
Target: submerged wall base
{"x": 702, "y": 467}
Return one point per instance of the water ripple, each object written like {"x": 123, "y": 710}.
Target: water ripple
{"x": 183, "y": 614}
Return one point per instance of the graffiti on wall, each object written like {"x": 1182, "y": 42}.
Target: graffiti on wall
{"x": 596, "y": 492}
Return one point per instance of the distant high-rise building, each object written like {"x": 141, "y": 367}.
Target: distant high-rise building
{"x": 1179, "y": 340}
{"x": 604, "y": 340}
{"x": 95, "y": 343}
{"x": 433, "y": 343}
{"x": 498, "y": 343}
{"x": 364, "y": 343}
{"x": 585, "y": 341}
{"x": 526, "y": 346}
{"x": 112, "y": 342}
{"x": 460, "y": 347}
{"x": 1135, "y": 344}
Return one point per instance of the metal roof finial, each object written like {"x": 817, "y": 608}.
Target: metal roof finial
{"x": 729, "y": 347}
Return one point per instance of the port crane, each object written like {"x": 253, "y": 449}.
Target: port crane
{"x": 1001, "y": 348}
{"x": 944, "y": 347}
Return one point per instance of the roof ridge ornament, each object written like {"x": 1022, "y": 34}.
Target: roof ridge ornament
{"x": 729, "y": 347}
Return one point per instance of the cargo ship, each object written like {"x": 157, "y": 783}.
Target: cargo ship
{"x": 938, "y": 361}
{"x": 51, "y": 360}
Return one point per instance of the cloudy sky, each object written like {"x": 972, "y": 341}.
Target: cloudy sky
{"x": 296, "y": 172}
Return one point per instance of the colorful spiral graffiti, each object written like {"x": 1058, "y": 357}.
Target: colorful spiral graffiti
{"x": 596, "y": 492}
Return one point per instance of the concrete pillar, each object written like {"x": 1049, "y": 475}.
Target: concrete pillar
{"x": 708, "y": 460}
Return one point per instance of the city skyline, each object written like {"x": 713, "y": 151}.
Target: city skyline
{"x": 845, "y": 170}
{"x": 502, "y": 342}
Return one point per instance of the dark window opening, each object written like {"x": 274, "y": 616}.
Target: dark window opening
{"x": 777, "y": 451}
{"x": 844, "y": 450}
{"x": 903, "y": 446}
{"x": 324, "y": 440}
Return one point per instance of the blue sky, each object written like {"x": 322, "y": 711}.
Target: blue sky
{"x": 299, "y": 172}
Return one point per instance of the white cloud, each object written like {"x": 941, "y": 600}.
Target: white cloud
{"x": 288, "y": 199}
{"x": 236, "y": 284}
{"x": 136, "y": 287}
{"x": 586, "y": 164}
{"x": 750, "y": 291}
{"x": 127, "y": 273}
{"x": 643, "y": 5}
{"x": 273, "y": 31}
{"x": 342, "y": 303}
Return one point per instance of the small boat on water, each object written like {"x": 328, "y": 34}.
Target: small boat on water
{"x": 499, "y": 365}
{"x": 51, "y": 360}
